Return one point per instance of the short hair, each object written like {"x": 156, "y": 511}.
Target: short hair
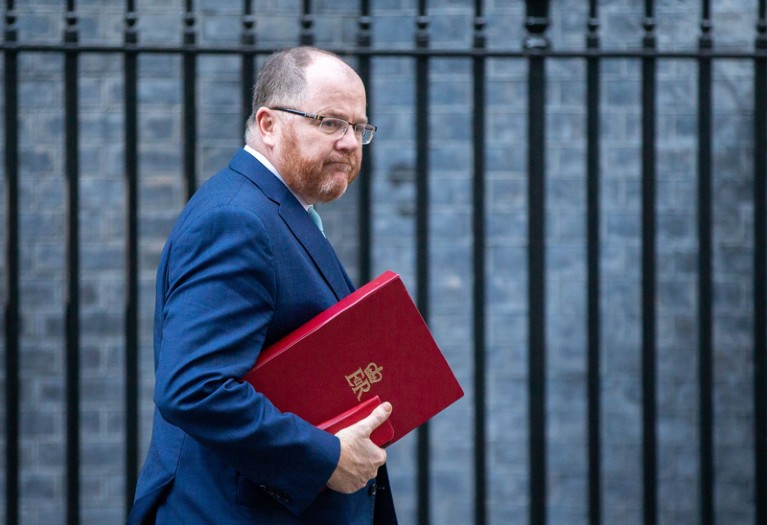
{"x": 282, "y": 79}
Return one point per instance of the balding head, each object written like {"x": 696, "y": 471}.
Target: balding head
{"x": 282, "y": 80}
{"x": 296, "y": 91}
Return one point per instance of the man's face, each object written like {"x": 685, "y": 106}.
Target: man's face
{"x": 316, "y": 166}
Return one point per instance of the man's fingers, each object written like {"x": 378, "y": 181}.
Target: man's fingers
{"x": 360, "y": 457}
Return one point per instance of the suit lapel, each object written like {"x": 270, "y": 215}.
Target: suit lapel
{"x": 297, "y": 220}
{"x": 318, "y": 247}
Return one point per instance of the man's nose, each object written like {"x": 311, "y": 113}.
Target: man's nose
{"x": 348, "y": 140}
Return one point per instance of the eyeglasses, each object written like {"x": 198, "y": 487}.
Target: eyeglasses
{"x": 336, "y": 127}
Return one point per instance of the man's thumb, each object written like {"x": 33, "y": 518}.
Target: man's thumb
{"x": 376, "y": 417}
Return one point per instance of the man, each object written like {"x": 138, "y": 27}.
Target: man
{"x": 245, "y": 264}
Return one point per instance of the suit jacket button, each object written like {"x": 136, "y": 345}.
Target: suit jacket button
{"x": 372, "y": 489}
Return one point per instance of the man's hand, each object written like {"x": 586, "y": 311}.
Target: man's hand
{"x": 360, "y": 457}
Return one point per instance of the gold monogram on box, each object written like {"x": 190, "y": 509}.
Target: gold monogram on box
{"x": 361, "y": 379}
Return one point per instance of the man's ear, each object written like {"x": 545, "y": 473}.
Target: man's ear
{"x": 267, "y": 125}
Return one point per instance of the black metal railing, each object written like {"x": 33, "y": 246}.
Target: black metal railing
{"x": 649, "y": 292}
{"x": 760, "y": 263}
{"x": 537, "y": 51}
{"x": 12, "y": 324}
{"x": 593, "y": 284}
{"x": 705, "y": 312}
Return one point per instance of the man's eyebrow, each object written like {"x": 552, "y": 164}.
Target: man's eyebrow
{"x": 337, "y": 114}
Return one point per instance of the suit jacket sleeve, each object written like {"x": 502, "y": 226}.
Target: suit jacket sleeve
{"x": 219, "y": 300}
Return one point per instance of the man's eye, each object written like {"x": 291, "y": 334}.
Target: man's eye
{"x": 331, "y": 125}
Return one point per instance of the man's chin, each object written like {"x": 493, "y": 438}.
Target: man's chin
{"x": 332, "y": 193}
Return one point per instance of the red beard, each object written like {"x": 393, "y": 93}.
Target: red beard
{"x": 315, "y": 180}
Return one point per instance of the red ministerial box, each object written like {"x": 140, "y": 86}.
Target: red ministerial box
{"x": 373, "y": 342}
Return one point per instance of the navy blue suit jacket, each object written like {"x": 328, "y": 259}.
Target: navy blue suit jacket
{"x": 243, "y": 266}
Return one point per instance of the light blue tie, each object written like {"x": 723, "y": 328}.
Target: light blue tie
{"x": 315, "y": 217}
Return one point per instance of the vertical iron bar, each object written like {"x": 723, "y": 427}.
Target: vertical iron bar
{"x": 130, "y": 72}
{"x": 248, "y": 69}
{"x": 71, "y": 162}
{"x": 422, "y": 233}
{"x": 536, "y": 23}
{"x": 705, "y": 290}
{"x": 12, "y": 324}
{"x": 760, "y": 267}
{"x": 365, "y": 212}
{"x": 307, "y": 24}
{"x": 649, "y": 329}
{"x": 190, "y": 101}
{"x": 592, "y": 263}
{"x": 478, "y": 290}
